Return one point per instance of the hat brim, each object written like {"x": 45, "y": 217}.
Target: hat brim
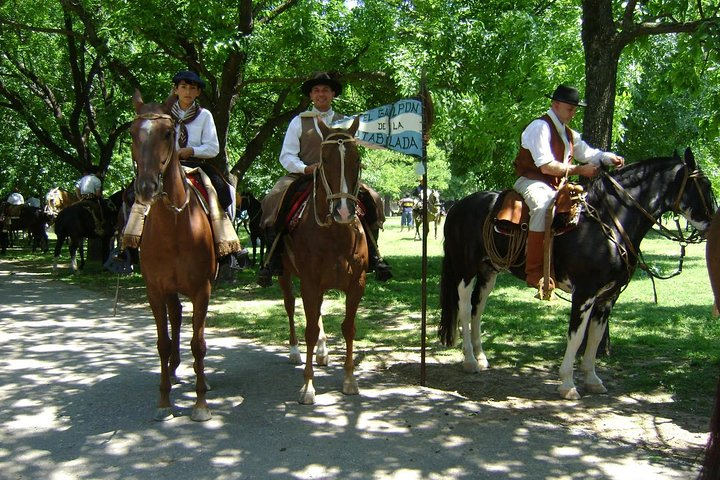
{"x": 308, "y": 85}
{"x": 579, "y": 103}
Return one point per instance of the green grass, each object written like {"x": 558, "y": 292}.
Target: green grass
{"x": 671, "y": 346}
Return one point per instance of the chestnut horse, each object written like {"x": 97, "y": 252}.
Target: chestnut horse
{"x": 594, "y": 261}
{"x": 178, "y": 252}
{"x": 327, "y": 250}
{"x": 711, "y": 464}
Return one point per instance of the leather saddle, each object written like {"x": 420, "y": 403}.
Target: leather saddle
{"x": 511, "y": 213}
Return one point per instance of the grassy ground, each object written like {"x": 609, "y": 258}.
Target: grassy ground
{"x": 670, "y": 346}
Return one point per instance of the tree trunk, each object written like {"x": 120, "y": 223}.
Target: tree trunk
{"x": 602, "y": 54}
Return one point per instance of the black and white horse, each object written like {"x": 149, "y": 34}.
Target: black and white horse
{"x": 593, "y": 262}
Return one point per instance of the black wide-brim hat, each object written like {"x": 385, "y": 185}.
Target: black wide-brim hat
{"x": 567, "y": 94}
{"x": 321, "y": 78}
{"x": 189, "y": 77}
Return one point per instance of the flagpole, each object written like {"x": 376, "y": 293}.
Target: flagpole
{"x": 423, "y": 322}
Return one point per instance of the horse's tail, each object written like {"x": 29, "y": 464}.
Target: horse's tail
{"x": 449, "y": 279}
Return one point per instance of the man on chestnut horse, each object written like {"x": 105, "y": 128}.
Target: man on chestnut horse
{"x": 300, "y": 155}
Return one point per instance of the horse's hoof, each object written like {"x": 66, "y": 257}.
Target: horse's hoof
{"x": 322, "y": 360}
{"x": 569, "y": 393}
{"x": 295, "y": 357}
{"x": 200, "y": 414}
{"x": 350, "y": 387}
{"x": 307, "y": 396}
{"x": 595, "y": 388}
{"x": 163, "y": 414}
{"x": 474, "y": 367}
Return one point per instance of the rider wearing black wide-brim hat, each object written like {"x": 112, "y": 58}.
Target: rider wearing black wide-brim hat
{"x": 300, "y": 155}
{"x": 548, "y": 148}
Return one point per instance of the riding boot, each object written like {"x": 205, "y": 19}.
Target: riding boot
{"x": 273, "y": 264}
{"x": 383, "y": 271}
{"x": 535, "y": 258}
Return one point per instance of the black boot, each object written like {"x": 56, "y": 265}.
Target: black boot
{"x": 383, "y": 271}
{"x": 273, "y": 265}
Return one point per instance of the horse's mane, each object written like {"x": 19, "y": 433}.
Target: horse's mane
{"x": 632, "y": 175}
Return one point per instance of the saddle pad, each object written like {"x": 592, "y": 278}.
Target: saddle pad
{"x": 199, "y": 187}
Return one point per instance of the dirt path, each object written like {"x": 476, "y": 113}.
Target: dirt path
{"x": 78, "y": 388}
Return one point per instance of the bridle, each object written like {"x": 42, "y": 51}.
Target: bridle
{"x": 164, "y": 164}
{"x": 339, "y": 139}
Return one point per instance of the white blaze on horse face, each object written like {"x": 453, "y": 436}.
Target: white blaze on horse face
{"x": 344, "y": 210}
{"x": 145, "y": 129}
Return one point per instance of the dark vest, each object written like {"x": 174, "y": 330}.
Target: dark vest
{"x": 310, "y": 141}
{"x": 525, "y": 165}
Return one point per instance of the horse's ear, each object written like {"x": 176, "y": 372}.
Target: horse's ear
{"x": 169, "y": 101}
{"x": 690, "y": 160}
{"x": 324, "y": 129}
{"x": 355, "y": 125}
{"x": 137, "y": 101}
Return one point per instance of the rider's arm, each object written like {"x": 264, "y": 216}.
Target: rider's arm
{"x": 289, "y": 155}
{"x": 536, "y": 138}
{"x": 202, "y": 136}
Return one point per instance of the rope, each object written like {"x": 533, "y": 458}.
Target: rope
{"x": 516, "y": 245}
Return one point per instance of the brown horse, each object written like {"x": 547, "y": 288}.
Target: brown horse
{"x": 178, "y": 253}
{"x": 711, "y": 465}
{"x": 328, "y": 250}
{"x": 57, "y": 199}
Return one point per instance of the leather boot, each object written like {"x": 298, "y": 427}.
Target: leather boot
{"x": 273, "y": 265}
{"x": 383, "y": 271}
{"x": 535, "y": 258}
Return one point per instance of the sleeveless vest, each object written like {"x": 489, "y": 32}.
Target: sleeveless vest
{"x": 525, "y": 165}
{"x": 310, "y": 141}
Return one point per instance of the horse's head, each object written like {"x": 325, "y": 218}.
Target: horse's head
{"x": 339, "y": 171}
{"x": 53, "y": 201}
{"x": 153, "y": 146}
{"x": 695, "y": 200}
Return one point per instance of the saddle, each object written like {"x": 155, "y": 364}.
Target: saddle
{"x": 295, "y": 200}
{"x": 511, "y": 213}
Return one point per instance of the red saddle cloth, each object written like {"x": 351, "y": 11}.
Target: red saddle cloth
{"x": 197, "y": 183}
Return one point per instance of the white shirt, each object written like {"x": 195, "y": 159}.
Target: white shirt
{"x": 289, "y": 155}
{"x": 536, "y": 138}
{"x": 202, "y": 135}
{"x": 90, "y": 185}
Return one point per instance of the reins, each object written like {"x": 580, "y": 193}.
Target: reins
{"x": 333, "y": 139}
{"x": 625, "y": 246}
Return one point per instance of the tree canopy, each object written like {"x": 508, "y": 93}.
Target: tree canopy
{"x": 68, "y": 68}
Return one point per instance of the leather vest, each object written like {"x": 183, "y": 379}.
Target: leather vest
{"x": 310, "y": 141}
{"x": 525, "y": 165}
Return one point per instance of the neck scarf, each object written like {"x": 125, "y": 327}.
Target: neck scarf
{"x": 183, "y": 117}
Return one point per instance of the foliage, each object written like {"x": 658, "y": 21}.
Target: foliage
{"x": 68, "y": 69}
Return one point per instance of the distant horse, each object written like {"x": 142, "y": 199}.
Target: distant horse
{"x": 23, "y": 218}
{"x": 435, "y": 213}
{"x": 177, "y": 249}
{"x": 252, "y": 207}
{"x": 76, "y": 223}
{"x": 57, "y": 199}
{"x": 594, "y": 261}
{"x": 711, "y": 464}
{"x": 327, "y": 250}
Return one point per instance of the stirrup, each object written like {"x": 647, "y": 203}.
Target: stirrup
{"x": 541, "y": 293}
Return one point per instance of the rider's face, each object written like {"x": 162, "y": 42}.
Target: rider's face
{"x": 322, "y": 97}
{"x": 187, "y": 93}
{"x": 564, "y": 111}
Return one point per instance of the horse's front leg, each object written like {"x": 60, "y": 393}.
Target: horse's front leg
{"x": 352, "y": 301}
{"x": 476, "y": 321}
{"x": 312, "y": 302}
{"x": 174, "y": 307}
{"x": 596, "y": 330}
{"x": 164, "y": 409}
{"x": 285, "y": 281}
{"x": 200, "y": 412}
{"x": 582, "y": 307}
{"x": 322, "y": 355}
